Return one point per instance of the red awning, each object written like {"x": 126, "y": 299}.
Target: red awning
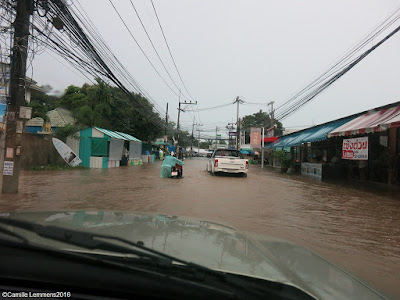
{"x": 270, "y": 139}
{"x": 373, "y": 121}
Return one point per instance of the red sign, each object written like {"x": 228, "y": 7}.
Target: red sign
{"x": 10, "y": 153}
{"x": 355, "y": 149}
{"x": 255, "y": 137}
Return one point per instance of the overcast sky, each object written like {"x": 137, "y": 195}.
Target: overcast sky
{"x": 259, "y": 50}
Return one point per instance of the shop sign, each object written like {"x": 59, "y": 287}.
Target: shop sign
{"x": 270, "y": 132}
{"x": 355, "y": 149}
{"x": 312, "y": 170}
{"x": 255, "y": 137}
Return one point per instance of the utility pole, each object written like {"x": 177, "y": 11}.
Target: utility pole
{"x": 238, "y": 102}
{"x": 14, "y": 125}
{"x": 229, "y": 133}
{"x": 166, "y": 126}
{"x": 179, "y": 115}
{"x": 198, "y": 143}
{"x": 262, "y": 148}
{"x": 272, "y": 113}
{"x": 192, "y": 139}
{"x": 216, "y": 137}
{"x": 191, "y": 147}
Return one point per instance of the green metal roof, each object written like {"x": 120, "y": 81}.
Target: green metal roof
{"x": 112, "y": 134}
{"x": 128, "y": 136}
{"x": 162, "y": 143}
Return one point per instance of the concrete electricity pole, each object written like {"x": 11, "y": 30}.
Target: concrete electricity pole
{"x": 14, "y": 122}
{"x": 272, "y": 112}
{"x": 238, "y": 102}
{"x": 216, "y": 137}
{"x": 166, "y": 126}
{"x": 179, "y": 115}
{"x": 229, "y": 133}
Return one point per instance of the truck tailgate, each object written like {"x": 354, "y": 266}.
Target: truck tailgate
{"x": 231, "y": 163}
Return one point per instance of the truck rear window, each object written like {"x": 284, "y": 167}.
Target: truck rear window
{"x": 231, "y": 153}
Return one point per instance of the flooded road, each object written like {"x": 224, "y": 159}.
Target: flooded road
{"x": 354, "y": 228}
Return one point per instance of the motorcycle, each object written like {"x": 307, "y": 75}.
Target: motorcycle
{"x": 177, "y": 171}
{"x": 171, "y": 167}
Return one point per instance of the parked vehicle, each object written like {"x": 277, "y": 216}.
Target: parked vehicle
{"x": 227, "y": 161}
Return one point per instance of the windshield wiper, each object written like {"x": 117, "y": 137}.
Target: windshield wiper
{"x": 89, "y": 240}
{"x": 94, "y": 241}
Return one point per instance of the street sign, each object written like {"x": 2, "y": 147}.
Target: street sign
{"x": 8, "y": 168}
{"x": 232, "y": 133}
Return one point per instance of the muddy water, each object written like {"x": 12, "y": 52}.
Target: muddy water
{"x": 356, "y": 228}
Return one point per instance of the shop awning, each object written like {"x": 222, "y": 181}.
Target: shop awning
{"x": 313, "y": 134}
{"x": 392, "y": 123}
{"x": 368, "y": 123}
{"x": 244, "y": 152}
{"x": 129, "y": 137}
{"x": 112, "y": 134}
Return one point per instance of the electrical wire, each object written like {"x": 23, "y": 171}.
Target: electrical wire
{"x": 169, "y": 50}
{"x": 346, "y": 63}
{"x": 155, "y": 50}
{"x": 141, "y": 49}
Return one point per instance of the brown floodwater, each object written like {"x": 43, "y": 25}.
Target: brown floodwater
{"x": 357, "y": 228}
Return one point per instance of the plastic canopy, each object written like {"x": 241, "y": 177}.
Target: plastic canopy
{"x": 309, "y": 135}
{"x": 168, "y": 163}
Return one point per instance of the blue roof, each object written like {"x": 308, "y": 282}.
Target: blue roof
{"x": 313, "y": 134}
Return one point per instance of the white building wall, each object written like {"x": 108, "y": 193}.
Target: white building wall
{"x": 96, "y": 162}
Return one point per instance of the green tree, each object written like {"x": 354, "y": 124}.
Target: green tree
{"x": 260, "y": 119}
{"x": 90, "y": 104}
{"x": 42, "y": 103}
{"x": 111, "y": 108}
{"x": 206, "y": 144}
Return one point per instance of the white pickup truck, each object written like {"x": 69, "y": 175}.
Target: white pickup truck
{"x": 228, "y": 161}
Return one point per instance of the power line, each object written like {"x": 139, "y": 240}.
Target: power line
{"x": 319, "y": 90}
{"x": 141, "y": 49}
{"x": 214, "y": 107}
{"x": 169, "y": 50}
{"x": 337, "y": 70}
{"x": 155, "y": 50}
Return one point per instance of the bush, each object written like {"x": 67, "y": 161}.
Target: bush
{"x": 283, "y": 157}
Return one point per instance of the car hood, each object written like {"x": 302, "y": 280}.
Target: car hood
{"x": 218, "y": 247}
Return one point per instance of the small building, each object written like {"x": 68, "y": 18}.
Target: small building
{"x": 59, "y": 117}
{"x": 5, "y": 74}
{"x": 363, "y": 146}
{"x": 102, "y": 148}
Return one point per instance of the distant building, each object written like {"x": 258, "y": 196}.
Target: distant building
{"x": 30, "y": 85}
{"x": 59, "y": 117}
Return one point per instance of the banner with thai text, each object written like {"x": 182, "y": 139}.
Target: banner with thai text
{"x": 355, "y": 149}
{"x": 255, "y": 137}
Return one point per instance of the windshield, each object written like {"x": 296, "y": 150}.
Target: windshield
{"x": 248, "y": 137}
